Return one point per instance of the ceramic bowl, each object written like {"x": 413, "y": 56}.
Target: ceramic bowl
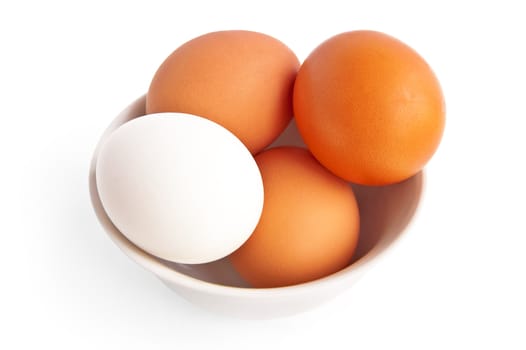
{"x": 385, "y": 213}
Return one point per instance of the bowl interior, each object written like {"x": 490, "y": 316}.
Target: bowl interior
{"x": 384, "y": 213}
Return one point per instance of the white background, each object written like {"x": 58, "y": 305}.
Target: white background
{"x": 456, "y": 280}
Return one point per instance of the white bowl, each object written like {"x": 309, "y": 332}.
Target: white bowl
{"x": 385, "y": 213}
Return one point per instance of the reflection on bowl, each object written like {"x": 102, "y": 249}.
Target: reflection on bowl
{"x": 385, "y": 213}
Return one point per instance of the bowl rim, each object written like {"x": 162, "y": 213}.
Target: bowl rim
{"x": 172, "y": 276}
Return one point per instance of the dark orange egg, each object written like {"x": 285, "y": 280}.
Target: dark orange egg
{"x": 369, "y": 107}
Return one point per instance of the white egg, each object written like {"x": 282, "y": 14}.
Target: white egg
{"x": 180, "y": 187}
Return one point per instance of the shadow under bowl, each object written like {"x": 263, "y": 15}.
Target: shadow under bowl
{"x": 385, "y": 213}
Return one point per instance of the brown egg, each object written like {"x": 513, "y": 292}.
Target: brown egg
{"x": 369, "y": 108}
{"x": 309, "y": 225}
{"x": 242, "y": 80}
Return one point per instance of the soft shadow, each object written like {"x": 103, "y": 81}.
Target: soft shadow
{"x": 217, "y": 272}
{"x": 289, "y": 137}
{"x": 384, "y": 213}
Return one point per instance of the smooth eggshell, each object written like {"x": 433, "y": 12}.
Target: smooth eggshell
{"x": 309, "y": 225}
{"x": 240, "y": 79}
{"x": 179, "y": 186}
{"x": 369, "y": 108}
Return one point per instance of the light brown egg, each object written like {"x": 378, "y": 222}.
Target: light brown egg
{"x": 309, "y": 225}
{"x": 240, "y": 79}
